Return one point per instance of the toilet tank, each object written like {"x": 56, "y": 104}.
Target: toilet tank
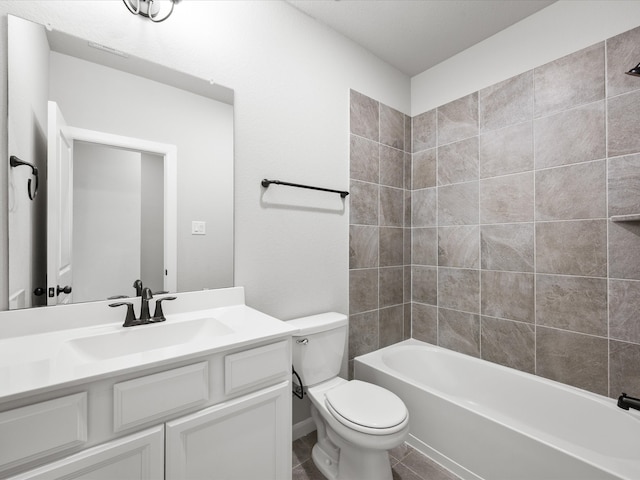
{"x": 318, "y": 348}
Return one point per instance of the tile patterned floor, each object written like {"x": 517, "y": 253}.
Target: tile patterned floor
{"x": 406, "y": 463}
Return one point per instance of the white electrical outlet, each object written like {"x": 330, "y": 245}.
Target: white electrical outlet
{"x": 198, "y": 228}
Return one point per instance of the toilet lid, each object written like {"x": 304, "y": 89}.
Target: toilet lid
{"x": 367, "y": 405}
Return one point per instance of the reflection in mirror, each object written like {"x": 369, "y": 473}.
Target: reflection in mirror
{"x": 110, "y": 195}
{"x": 116, "y": 195}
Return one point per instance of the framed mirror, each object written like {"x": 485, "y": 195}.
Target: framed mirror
{"x": 147, "y": 190}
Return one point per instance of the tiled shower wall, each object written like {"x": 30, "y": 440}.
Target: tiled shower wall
{"x": 379, "y": 231}
{"x": 514, "y": 257}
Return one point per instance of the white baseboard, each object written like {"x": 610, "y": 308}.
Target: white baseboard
{"x": 303, "y": 428}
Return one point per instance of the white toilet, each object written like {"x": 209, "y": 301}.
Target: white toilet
{"x": 357, "y": 422}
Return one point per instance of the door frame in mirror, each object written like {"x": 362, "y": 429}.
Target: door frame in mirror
{"x": 170, "y": 154}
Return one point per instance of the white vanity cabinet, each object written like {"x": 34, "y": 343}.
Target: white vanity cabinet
{"x": 239, "y": 440}
{"x": 223, "y": 416}
{"x": 136, "y": 457}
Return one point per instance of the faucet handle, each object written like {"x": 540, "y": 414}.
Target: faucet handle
{"x": 130, "y": 319}
{"x": 158, "y": 314}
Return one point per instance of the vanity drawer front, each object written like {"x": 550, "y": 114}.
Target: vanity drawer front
{"x": 38, "y": 430}
{"x": 256, "y": 367}
{"x": 153, "y": 397}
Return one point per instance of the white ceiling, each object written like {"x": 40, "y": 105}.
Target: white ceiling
{"x": 415, "y": 35}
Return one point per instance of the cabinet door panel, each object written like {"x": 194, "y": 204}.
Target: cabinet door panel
{"x": 135, "y": 457}
{"x": 246, "y": 438}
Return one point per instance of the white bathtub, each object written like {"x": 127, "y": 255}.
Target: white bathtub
{"x": 485, "y": 421}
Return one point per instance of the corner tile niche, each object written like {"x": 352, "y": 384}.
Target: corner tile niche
{"x": 511, "y": 246}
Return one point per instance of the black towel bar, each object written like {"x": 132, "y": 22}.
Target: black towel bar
{"x": 266, "y": 183}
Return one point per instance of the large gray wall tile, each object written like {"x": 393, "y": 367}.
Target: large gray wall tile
{"x": 572, "y": 136}
{"x": 363, "y": 290}
{"x": 408, "y": 134}
{"x": 458, "y": 204}
{"x": 573, "y": 358}
{"x": 424, "y": 323}
{"x": 507, "y": 247}
{"x": 458, "y": 119}
{"x": 573, "y": 192}
{"x": 459, "y": 331}
{"x": 624, "y": 185}
{"x": 572, "y": 248}
{"x": 364, "y": 160}
{"x": 624, "y": 359}
{"x": 459, "y": 289}
{"x": 424, "y": 285}
{"x": 363, "y": 333}
{"x": 508, "y": 150}
{"x": 424, "y": 246}
{"x": 391, "y": 127}
{"x": 622, "y": 113}
{"x": 425, "y": 130}
{"x": 391, "y": 246}
{"x": 391, "y": 325}
{"x": 424, "y": 171}
{"x": 391, "y": 285}
{"x": 458, "y": 162}
{"x": 508, "y": 295}
{"x": 459, "y": 246}
{"x": 623, "y": 53}
{"x": 424, "y": 207}
{"x": 506, "y": 103}
{"x": 508, "y": 343}
{"x": 572, "y": 80}
{"x": 572, "y": 303}
{"x": 363, "y": 203}
{"x": 364, "y": 116}
{"x": 624, "y": 308}
{"x": 363, "y": 246}
{"x": 391, "y": 167}
{"x": 507, "y": 199}
{"x": 624, "y": 250}
{"x": 391, "y": 206}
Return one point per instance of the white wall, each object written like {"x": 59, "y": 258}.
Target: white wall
{"x": 562, "y": 28}
{"x": 292, "y": 78}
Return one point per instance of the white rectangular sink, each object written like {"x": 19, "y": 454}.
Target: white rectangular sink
{"x": 144, "y": 338}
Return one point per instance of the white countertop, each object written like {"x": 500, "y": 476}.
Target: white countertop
{"x": 37, "y": 362}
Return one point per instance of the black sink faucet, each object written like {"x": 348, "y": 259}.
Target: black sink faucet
{"x": 145, "y": 317}
{"x": 626, "y": 402}
{"x": 146, "y": 295}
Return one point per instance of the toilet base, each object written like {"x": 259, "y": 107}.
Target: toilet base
{"x": 328, "y": 466}
{"x": 338, "y": 459}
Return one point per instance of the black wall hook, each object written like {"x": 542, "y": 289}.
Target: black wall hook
{"x": 16, "y": 162}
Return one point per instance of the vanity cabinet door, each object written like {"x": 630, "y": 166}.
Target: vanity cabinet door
{"x": 136, "y": 457}
{"x": 245, "y": 438}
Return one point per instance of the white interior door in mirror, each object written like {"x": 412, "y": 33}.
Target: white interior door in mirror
{"x": 59, "y": 209}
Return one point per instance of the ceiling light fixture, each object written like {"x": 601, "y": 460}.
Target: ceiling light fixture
{"x": 150, "y": 9}
{"x": 635, "y": 71}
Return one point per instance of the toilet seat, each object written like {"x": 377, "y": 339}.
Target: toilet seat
{"x": 367, "y": 408}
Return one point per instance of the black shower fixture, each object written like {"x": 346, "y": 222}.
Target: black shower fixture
{"x": 635, "y": 71}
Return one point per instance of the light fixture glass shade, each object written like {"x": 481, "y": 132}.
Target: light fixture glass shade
{"x": 634, "y": 71}
{"x": 150, "y": 9}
